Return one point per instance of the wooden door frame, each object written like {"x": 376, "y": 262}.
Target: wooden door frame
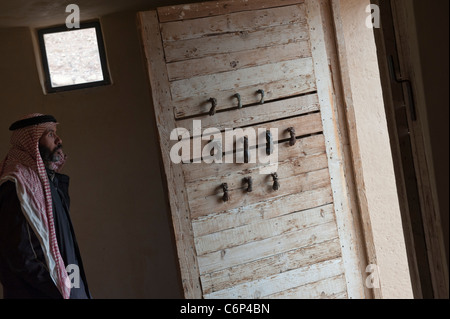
{"x": 366, "y": 145}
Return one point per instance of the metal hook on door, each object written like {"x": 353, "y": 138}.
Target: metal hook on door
{"x": 269, "y": 143}
{"x": 261, "y": 101}
{"x": 226, "y": 196}
{"x": 213, "y": 102}
{"x": 291, "y": 131}
{"x": 246, "y": 152}
{"x": 238, "y": 96}
{"x": 249, "y": 182}
{"x": 276, "y": 184}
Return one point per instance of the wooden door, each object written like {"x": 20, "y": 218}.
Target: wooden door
{"x": 255, "y": 65}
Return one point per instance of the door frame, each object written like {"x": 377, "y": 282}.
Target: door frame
{"x": 367, "y": 145}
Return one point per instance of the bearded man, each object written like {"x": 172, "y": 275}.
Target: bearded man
{"x": 39, "y": 254}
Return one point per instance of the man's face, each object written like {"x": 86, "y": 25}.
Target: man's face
{"x": 49, "y": 145}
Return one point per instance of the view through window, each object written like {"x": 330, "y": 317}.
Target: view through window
{"x": 73, "y": 58}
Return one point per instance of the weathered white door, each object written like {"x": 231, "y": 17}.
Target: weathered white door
{"x": 257, "y": 65}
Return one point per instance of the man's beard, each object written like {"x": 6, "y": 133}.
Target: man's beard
{"x": 49, "y": 156}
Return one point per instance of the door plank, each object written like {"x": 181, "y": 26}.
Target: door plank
{"x": 294, "y": 184}
{"x": 215, "y": 8}
{"x": 270, "y": 208}
{"x": 202, "y": 188}
{"x": 291, "y": 166}
{"x": 237, "y": 60}
{"x": 247, "y": 116}
{"x": 279, "y": 282}
{"x": 328, "y": 288}
{"x": 199, "y": 105}
{"x": 244, "y": 77}
{"x": 267, "y": 247}
{"x": 234, "y": 22}
{"x": 303, "y": 125}
{"x": 264, "y": 229}
{"x": 234, "y": 42}
{"x": 310, "y": 145}
{"x": 269, "y": 266}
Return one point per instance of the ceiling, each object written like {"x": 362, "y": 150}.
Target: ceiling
{"x": 43, "y": 13}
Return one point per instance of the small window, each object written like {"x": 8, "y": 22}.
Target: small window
{"x": 73, "y": 58}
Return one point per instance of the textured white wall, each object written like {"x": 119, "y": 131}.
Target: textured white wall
{"x": 377, "y": 167}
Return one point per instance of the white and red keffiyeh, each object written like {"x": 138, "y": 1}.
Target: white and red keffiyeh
{"x": 24, "y": 166}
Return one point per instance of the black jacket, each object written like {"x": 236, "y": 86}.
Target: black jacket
{"x": 23, "y": 270}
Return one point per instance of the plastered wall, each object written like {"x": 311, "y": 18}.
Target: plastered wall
{"x": 362, "y": 89}
{"x": 119, "y": 210}
{"x": 371, "y": 149}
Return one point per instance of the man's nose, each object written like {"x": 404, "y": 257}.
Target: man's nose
{"x": 58, "y": 140}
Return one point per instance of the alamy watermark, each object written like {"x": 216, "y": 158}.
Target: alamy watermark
{"x": 373, "y": 20}
{"x": 73, "y": 276}
{"x": 373, "y": 280}
{"x": 236, "y": 145}
{"x": 73, "y": 19}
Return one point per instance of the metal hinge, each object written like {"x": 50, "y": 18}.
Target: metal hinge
{"x": 401, "y": 80}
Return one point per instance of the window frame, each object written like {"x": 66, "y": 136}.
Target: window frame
{"x": 102, "y": 54}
